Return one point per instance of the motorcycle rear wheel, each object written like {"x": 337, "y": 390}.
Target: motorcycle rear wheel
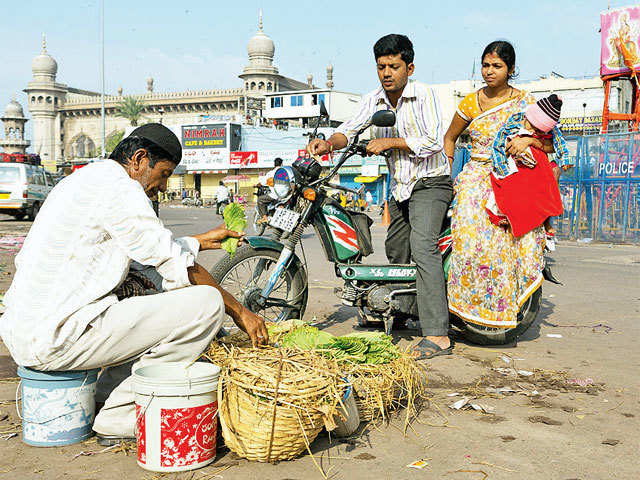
{"x": 247, "y": 272}
{"x": 499, "y": 336}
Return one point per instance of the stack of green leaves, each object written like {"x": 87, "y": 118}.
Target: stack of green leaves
{"x": 373, "y": 348}
{"x": 306, "y": 337}
{"x": 234, "y": 219}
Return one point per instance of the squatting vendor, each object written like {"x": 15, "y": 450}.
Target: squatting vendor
{"x": 70, "y": 305}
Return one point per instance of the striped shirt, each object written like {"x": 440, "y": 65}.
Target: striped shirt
{"x": 419, "y": 122}
{"x": 504, "y": 166}
{"x": 93, "y": 224}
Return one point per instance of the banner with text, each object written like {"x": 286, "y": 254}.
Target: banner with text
{"x": 619, "y": 37}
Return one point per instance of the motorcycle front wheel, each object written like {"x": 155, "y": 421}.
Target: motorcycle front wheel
{"x": 499, "y": 336}
{"x": 245, "y": 275}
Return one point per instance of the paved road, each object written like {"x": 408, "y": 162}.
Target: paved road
{"x": 561, "y": 433}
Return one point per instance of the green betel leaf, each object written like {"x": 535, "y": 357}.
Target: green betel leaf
{"x": 234, "y": 219}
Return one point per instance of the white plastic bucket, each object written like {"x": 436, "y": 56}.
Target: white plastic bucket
{"x": 176, "y": 415}
{"x": 57, "y": 407}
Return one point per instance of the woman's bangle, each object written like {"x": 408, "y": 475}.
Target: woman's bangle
{"x": 330, "y": 145}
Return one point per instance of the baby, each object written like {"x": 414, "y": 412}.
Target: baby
{"x": 525, "y": 198}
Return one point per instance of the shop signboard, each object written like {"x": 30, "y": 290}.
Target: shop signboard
{"x": 325, "y": 159}
{"x": 243, "y": 159}
{"x": 267, "y": 157}
{"x": 204, "y": 146}
{"x": 577, "y": 125}
{"x": 204, "y": 136}
{"x": 619, "y": 37}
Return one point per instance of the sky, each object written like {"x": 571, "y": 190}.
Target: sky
{"x": 202, "y": 44}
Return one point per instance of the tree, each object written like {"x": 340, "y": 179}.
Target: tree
{"x": 113, "y": 140}
{"x": 131, "y": 108}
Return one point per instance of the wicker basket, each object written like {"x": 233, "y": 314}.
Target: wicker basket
{"x": 273, "y": 405}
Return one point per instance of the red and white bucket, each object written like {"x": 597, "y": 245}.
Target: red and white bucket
{"x": 176, "y": 415}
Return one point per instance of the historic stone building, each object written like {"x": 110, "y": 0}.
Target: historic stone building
{"x": 13, "y": 121}
{"x": 67, "y": 121}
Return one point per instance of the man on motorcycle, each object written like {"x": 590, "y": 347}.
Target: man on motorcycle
{"x": 222, "y": 196}
{"x": 421, "y": 184}
{"x": 266, "y": 199}
{"x": 67, "y": 309}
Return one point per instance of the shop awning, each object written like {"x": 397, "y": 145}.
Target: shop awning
{"x": 201, "y": 171}
{"x": 234, "y": 178}
{"x": 361, "y": 179}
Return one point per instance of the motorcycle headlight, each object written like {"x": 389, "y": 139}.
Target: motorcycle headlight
{"x": 283, "y": 181}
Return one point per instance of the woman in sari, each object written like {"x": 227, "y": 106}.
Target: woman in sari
{"x": 492, "y": 273}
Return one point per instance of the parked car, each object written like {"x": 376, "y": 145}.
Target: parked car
{"x": 23, "y": 189}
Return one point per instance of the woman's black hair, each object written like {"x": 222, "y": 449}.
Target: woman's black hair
{"x": 128, "y": 146}
{"x": 505, "y": 51}
{"x": 394, "y": 44}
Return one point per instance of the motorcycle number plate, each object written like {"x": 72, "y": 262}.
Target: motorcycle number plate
{"x": 284, "y": 219}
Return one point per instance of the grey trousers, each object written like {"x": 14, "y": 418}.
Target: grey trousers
{"x": 413, "y": 235}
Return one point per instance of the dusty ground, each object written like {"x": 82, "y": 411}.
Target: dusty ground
{"x": 581, "y": 424}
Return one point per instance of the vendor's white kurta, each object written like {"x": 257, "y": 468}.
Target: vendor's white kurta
{"x": 60, "y": 312}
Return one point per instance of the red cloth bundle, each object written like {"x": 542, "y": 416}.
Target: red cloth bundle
{"x": 528, "y": 197}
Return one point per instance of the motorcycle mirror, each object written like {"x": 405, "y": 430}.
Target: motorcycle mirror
{"x": 323, "y": 110}
{"x": 384, "y": 118}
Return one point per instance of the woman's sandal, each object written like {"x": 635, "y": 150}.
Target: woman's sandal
{"x": 426, "y": 349}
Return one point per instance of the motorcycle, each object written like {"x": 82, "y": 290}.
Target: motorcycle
{"x": 270, "y": 279}
{"x": 220, "y": 206}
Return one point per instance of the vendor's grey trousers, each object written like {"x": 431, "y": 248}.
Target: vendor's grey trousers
{"x": 413, "y": 235}
{"x": 175, "y": 326}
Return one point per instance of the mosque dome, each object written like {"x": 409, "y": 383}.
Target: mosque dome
{"x": 43, "y": 63}
{"x": 261, "y": 44}
{"x": 14, "y": 110}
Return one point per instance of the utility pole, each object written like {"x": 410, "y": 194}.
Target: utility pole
{"x": 104, "y": 151}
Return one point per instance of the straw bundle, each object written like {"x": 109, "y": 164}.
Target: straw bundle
{"x": 274, "y": 402}
{"x": 383, "y": 388}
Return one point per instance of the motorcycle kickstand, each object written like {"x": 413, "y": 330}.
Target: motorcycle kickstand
{"x": 388, "y": 324}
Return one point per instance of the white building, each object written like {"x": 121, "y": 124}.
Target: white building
{"x": 582, "y": 97}
{"x": 298, "y": 107}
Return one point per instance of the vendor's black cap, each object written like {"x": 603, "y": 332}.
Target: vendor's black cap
{"x": 162, "y": 137}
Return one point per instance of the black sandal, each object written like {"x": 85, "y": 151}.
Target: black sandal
{"x": 428, "y": 349}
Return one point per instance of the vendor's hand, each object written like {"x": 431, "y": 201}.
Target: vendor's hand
{"x": 318, "y": 146}
{"x": 212, "y": 239}
{"x": 556, "y": 172}
{"x": 517, "y": 145}
{"x": 379, "y": 145}
{"x": 254, "y": 326}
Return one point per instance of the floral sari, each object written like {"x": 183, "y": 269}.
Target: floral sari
{"x": 492, "y": 273}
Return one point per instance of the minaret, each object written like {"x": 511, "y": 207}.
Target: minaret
{"x": 261, "y": 75}
{"x": 45, "y": 97}
{"x": 13, "y": 121}
{"x": 330, "y": 76}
